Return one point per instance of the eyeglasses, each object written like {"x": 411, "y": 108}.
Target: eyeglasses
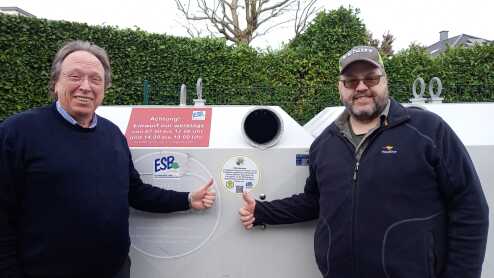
{"x": 77, "y": 78}
{"x": 369, "y": 81}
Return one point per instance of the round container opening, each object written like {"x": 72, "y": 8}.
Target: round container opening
{"x": 262, "y": 127}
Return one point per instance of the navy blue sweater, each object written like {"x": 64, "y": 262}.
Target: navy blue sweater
{"x": 65, "y": 193}
{"x": 412, "y": 206}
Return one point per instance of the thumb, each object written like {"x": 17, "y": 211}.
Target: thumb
{"x": 207, "y": 186}
{"x": 248, "y": 200}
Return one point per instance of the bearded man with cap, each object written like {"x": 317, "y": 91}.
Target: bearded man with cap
{"x": 393, "y": 188}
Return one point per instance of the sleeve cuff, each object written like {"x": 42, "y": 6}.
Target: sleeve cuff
{"x": 189, "y": 199}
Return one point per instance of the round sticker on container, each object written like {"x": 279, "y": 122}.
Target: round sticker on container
{"x": 240, "y": 174}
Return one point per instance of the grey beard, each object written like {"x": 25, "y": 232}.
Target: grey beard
{"x": 366, "y": 116}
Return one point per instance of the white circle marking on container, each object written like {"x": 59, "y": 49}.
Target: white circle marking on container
{"x": 173, "y": 235}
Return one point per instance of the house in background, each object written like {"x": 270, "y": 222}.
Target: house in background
{"x": 15, "y": 11}
{"x": 457, "y": 41}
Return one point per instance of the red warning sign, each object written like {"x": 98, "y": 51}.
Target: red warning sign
{"x": 169, "y": 127}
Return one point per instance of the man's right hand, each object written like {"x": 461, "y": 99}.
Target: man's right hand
{"x": 247, "y": 211}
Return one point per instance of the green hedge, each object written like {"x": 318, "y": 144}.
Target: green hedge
{"x": 467, "y": 74}
{"x": 28, "y": 45}
{"x": 301, "y": 77}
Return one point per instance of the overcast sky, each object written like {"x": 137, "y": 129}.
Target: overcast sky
{"x": 409, "y": 21}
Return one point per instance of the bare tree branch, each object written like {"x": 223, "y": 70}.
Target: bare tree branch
{"x": 258, "y": 34}
{"x": 240, "y": 22}
{"x": 303, "y": 16}
{"x": 277, "y": 6}
{"x": 190, "y": 29}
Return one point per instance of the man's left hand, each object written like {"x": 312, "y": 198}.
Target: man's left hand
{"x": 203, "y": 198}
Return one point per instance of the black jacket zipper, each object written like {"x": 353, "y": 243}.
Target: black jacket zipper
{"x": 354, "y": 220}
{"x": 355, "y": 195}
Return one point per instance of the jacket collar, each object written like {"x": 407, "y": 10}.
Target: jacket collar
{"x": 397, "y": 113}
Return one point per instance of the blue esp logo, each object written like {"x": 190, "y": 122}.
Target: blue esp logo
{"x": 165, "y": 163}
{"x": 198, "y": 115}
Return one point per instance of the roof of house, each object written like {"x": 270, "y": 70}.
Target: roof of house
{"x": 460, "y": 40}
{"x": 16, "y": 10}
